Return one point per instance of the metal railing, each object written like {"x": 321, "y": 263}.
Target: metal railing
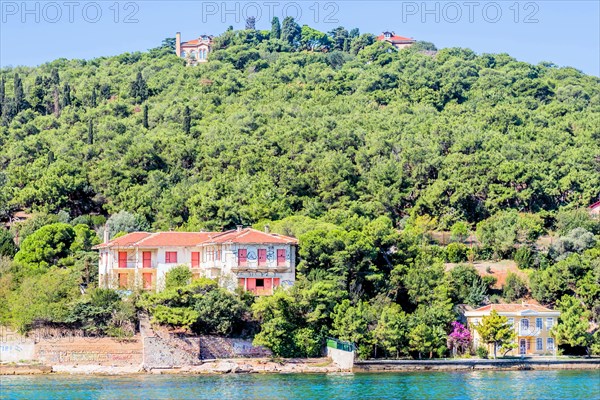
{"x": 340, "y": 344}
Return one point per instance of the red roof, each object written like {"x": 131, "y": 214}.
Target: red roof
{"x": 125, "y": 241}
{"x": 595, "y": 205}
{"x": 184, "y": 239}
{"x": 190, "y": 239}
{"x": 249, "y": 235}
{"x": 512, "y": 308}
{"x": 395, "y": 38}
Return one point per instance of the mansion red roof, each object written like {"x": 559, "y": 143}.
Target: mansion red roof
{"x": 506, "y": 308}
{"x": 190, "y": 239}
{"x": 595, "y": 205}
{"x": 393, "y": 38}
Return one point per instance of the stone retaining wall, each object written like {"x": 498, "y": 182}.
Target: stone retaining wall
{"x": 89, "y": 351}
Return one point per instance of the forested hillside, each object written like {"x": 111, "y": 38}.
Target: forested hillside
{"x": 357, "y": 149}
{"x": 264, "y": 131}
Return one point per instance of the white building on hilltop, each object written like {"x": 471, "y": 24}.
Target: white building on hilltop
{"x": 253, "y": 260}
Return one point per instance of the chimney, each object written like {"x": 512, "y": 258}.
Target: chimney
{"x": 106, "y": 233}
{"x": 267, "y": 229}
{"x": 178, "y": 44}
{"x": 240, "y": 227}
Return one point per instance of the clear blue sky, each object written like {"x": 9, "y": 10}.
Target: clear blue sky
{"x": 566, "y": 33}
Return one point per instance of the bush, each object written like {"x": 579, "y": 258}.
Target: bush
{"x": 179, "y": 276}
{"x": 514, "y": 288}
{"x": 456, "y": 252}
{"x": 482, "y": 352}
{"x": 489, "y": 280}
{"x": 524, "y": 257}
{"x": 459, "y": 231}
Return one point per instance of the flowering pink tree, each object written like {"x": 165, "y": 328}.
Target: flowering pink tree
{"x": 459, "y": 339}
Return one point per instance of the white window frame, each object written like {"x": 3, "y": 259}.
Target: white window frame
{"x": 539, "y": 323}
{"x": 539, "y": 344}
{"x": 549, "y": 323}
{"x": 523, "y": 327}
{"x": 549, "y": 343}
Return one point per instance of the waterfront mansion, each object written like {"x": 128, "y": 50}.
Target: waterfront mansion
{"x": 531, "y": 322}
{"x": 248, "y": 258}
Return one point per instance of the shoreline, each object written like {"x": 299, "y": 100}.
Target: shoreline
{"x": 305, "y": 366}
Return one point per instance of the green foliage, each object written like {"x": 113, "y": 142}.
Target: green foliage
{"x": 178, "y": 276}
{"x": 45, "y": 247}
{"x": 495, "y": 329}
{"x": 568, "y": 220}
{"x": 459, "y": 231}
{"x": 482, "y": 352}
{"x": 7, "y": 244}
{"x": 524, "y": 257}
{"x": 456, "y": 252}
{"x": 514, "y": 288}
{"x": 506, "y": 229}
{"x": 573, "y": 326}
{"x": 466, "y": 286}
{"x": 124, "y": 221}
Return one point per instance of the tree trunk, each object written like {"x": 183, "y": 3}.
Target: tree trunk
{"x": 495, "y": 345}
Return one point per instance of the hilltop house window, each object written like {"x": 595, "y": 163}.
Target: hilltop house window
{"x": 260, "y": 283}
{"x": 171, "y": 257}
{"x": 184, "y": 54}
{"x": 388, "y": 35}
{"x": 262, "y": 257}
{"x": 539, "y": 344}
{"x": 549, "y": 323}
{"x": 195, "y": 259}
{"x": 280, "y": 257}
{"x": 524, "y": 324}
{"x": 193, "y": 54}
{"x": 550, "y": 343}
{"x": 242, "y": 257}
{"x": 538, "y": 323}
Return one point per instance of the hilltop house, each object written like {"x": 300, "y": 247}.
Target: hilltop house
{"x": 194, "y": 51}
{"x": 253, "y": 260}
{"x": 399, "y": 42}
{"x": 531, "y": 322}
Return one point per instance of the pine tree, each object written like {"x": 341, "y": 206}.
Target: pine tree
{"x": 56, "y": 102}
{"x": 251, "y": 23}
{"x": 187, "y": 120}
{"x": 145, "y": 116}
{"x": 275, "y": 28}
{"x": 51, "y": 157}
{"x": 90, "y": 138}
{"x": 19, "y": 95}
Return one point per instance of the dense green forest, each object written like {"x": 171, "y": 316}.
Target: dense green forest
{"x": 357, "y": 149}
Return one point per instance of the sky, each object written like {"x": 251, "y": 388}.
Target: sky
{"x": 566, "y": 33}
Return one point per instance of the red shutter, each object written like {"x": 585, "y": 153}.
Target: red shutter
{"x": 242, "y": 256}
{"x": 268, "y": 283}
{"x": 280, "y": 257}
{"x": 147, "y": 280}
{"x": 251, "y": 282}
{"x": 241, "y": 282}
{"x": 262, "y": 256}
{"x": 195, "y": 259}
{"x": 147, "y": 259}
{"x": 171, "y": 257}
{"x": 122, "y": 259}
{"x": 275, "y": 282}
{"x": 123, "y": 280}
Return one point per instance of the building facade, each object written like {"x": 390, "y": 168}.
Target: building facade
{"x": 399, "y": 42}
{"x": 194, "y": 51}
{"x": 256, "y": 261}
{"x": 532, "y": 324}
{"x": 594, "y": 210}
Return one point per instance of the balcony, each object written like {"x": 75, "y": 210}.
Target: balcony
{"x": 528, "y": 331}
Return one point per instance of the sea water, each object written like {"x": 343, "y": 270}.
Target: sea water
{"x": 552, "y": 385}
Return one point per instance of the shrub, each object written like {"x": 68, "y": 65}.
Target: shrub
{"x": 456, "y": 252}
{"x": 459, "y": 231}
{"x": 524, "y": 257}
{"x": 482, "y": 352}
{"x": 177, "y": 277}
{"x": 514, "y": 288}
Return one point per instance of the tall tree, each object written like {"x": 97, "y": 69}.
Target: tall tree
{"x": 290, "y": 31}
{"x": 139, "y": 88}
{"x": 38, "y": 93}
{"x": 275, "y": 28}
{"x": 573, "y": 326}
{"x": 66, "y": 95}
{"x": 2, "y": 93}
{"x": 54, "y": 77}
{"x": 93, "y": 98}
{"x": 145, "y": 116}
{"x": 90, "y": 135}
{"x": 338, "y": 36}
{"x": 495, "y": 329}
{"x": 19, "y": 94}
{"x": 187, "y": 120}
{"x": 251, "y": 23}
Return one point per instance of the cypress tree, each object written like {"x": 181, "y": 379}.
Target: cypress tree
{"x": 290, "y": 31}
{"x": 90, "y": 138}
{"x": 54, "y": 78}
{"x": 51, "y": 157}
{"x": 93, "y": 97}
{"x": 56, "y": 102}
{"x": 187, "y": 120}
{"x": 37, "y": 95}
{"x": 251, "y": 23}
{"x": 1, "y": 94}
{"x": 275, "y": 28}
{"x": 145, "y": 116}
{"x": 66, "y": 96}
{"x": 139, "y": 89}
{"x": 19, "y": 95}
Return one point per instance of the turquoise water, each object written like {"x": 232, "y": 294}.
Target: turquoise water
{"x": 431, "y": 385}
